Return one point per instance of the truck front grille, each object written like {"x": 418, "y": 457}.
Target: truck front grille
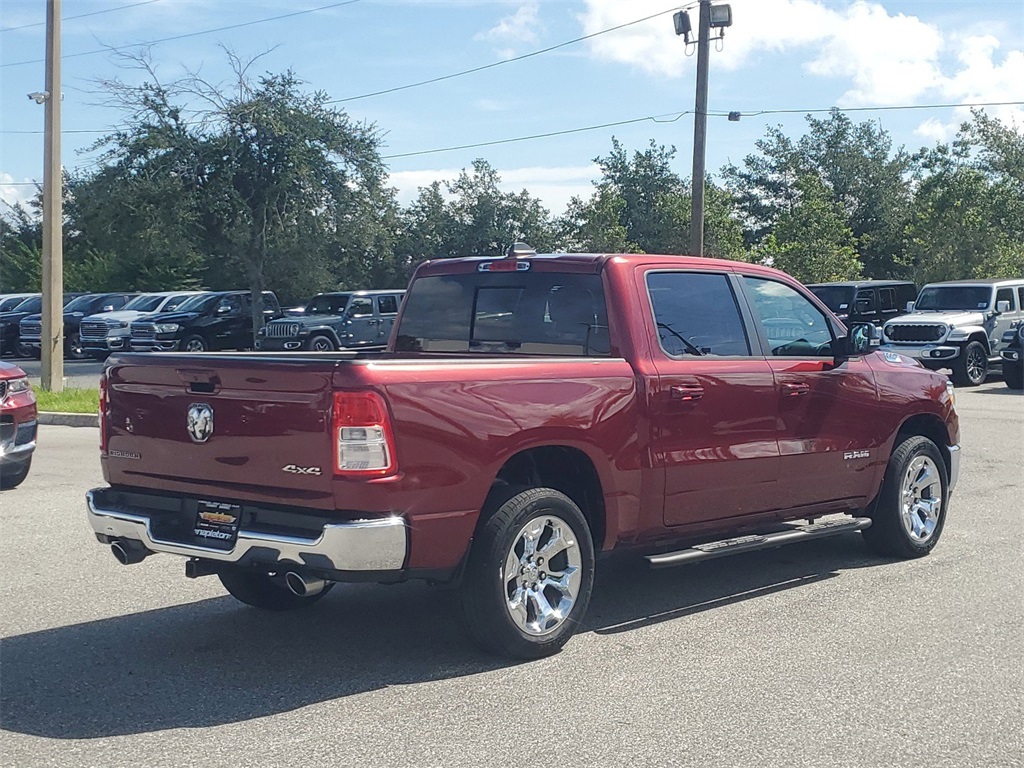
{"x": 915, "y": 333}
{"x": 3, "y": 389}
{"x": 31, "y": 329}
{"x": 93, "y": 329}
{"x": 143, "y": 331}
{"x": 282, "y": 330}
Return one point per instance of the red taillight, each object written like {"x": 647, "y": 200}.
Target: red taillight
{"x": 103, "y": 413}
{"x": 364, "y": 444}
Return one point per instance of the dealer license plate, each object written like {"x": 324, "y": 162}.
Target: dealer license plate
{"x": 217, "y": 524}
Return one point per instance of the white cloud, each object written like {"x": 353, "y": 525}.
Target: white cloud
{"x": 15, "y": 191}
{"x": 521, "y": 27}
{"x": 881, "y": 58}
{"x": 555, "y": 186}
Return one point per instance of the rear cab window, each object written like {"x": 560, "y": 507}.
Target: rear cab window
{"x": 506, "y": 313}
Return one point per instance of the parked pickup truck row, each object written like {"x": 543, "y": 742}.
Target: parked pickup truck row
{"x": 530, "y": 414}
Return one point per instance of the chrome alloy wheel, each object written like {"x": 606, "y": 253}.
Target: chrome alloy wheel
{"x": 542, "y": 575}
{"x": 921, "y": 499}
{"x": 976, "y": 363}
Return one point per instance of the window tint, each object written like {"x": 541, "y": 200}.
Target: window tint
{"x": 865, "y": 301}
{"x": 175, "y": 301}
{"x": 1006, "y": 294}
{"x": 1020, "y": 297}
{"x": 328, "y": 304}
{"x": 696, "y": 314}
{"x": 838, "y": 298}
{"x": 519, "y": 313}
{"x": 387, "y": 305}
{"x": 792, "y": 325}
{"x": 887, "y": 299}
{"x": 360, "y": 307}
{"x": 229, "y": 305}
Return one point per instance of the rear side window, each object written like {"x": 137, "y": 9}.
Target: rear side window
{"x": 518, "y": 313}
{"x": 387, "y": 305}
{"x": 1020, "y": 296}
{"x": 887, "y": 299}
{"x": 696, "y": 314}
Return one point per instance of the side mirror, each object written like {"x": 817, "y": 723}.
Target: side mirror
{"x": 110, "y": 307}
{"x": 1002, "y": 306}
{"x": 910, "y": 307}
{"x": 222, "y": 310}
{"x": 861, "y": 339}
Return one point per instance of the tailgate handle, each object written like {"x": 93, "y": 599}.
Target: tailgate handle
{"x": 199, "y": 381}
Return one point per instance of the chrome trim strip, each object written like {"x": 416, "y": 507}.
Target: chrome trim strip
{"x": 954, "y": 465}
{"x": 362, "y": 545}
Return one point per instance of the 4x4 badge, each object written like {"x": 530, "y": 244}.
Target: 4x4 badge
{"x": 295, "y": 470}
{"x": 200, "y": 422}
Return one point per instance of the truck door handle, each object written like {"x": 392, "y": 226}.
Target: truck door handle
{"x": 795, "y": 390}
{"x": 686, "y": 392}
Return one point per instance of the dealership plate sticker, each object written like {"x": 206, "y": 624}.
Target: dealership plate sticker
{"x": 217, "y": 524}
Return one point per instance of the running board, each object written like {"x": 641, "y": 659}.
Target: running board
{"x": 753, "y": 542}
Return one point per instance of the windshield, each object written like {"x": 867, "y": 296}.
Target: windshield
{"x": 144, "y": 303}
{"x": 836, "y": 297}
{"x": 518, "y": 313}
{"x": 328, "y": 304}
{"x": 197, "y": 303}
{"x": 963, "y": 297}
{"x": 32, "y": 305}
{"x": 83, "y": 304}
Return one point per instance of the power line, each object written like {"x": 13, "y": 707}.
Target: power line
{"x": 507, "y": 61}
{"x": 672, "y": 117}
{"x": 189, "y": 34}
{"x": 81, "y": 15}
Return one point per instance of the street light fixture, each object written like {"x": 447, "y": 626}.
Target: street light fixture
{"x": 721, "y": 16}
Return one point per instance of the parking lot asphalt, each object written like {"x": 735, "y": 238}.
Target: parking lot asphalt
{"x": 80, "y": 374}
{"x": 816, "y": 654}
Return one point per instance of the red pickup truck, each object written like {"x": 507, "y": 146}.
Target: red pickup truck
{"x": 531, "y": 412}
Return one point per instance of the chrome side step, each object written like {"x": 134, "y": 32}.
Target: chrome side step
{"x": 713, "y": 549}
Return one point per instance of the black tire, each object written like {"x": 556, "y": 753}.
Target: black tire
{"x": 970, "y": 368}
{"x": 1013, "y": 375}
{"x": 14, "y": 475}
{"x": 321, "y": 343}
{"x": 194, "y": 343}
{"x": 889, "y": 534}
{"x": 266, "y": 591}
{"x": 73, "y": 348}
{"x": 486, "y": 595}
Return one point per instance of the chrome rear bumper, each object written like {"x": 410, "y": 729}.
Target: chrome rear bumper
{"x": 360, "y": 545}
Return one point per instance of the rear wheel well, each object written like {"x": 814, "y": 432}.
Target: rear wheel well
{"x": 565, "y": 469}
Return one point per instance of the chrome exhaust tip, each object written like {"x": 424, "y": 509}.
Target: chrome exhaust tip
{"x": 128, "y": 552}
{"x": 304, "y": 586}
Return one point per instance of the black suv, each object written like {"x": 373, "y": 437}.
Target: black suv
{"x": 1013, "y": 357}
{"x": 210, "y": 321}
{"x": 866, "y": 301}
{"x": 355, "y": 320}
{"x": 31, "y": 331}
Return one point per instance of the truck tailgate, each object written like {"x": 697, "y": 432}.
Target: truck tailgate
{"x": 235, "y": 426}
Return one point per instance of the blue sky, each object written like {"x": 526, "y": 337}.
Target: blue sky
{"x": 778, "y": 55}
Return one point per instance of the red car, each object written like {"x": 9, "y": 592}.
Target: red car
{"x": 17, "y": 425}
{"x": 530, "y": 413}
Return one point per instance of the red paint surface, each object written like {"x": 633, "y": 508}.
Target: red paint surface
{"x": 668, "y": 467}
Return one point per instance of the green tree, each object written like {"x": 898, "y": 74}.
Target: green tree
{"x": 857, "y": 165}
{"x": 969, "y": 205}
{"x": 812, "y": 241}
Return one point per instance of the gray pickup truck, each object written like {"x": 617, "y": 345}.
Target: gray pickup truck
{"x": 958, "y": 325}
{"x": 342, "y": 320}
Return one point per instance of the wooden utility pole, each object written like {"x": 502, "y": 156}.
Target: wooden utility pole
{"x": 700, "y": 130}
{"x": 52, "y": 376}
